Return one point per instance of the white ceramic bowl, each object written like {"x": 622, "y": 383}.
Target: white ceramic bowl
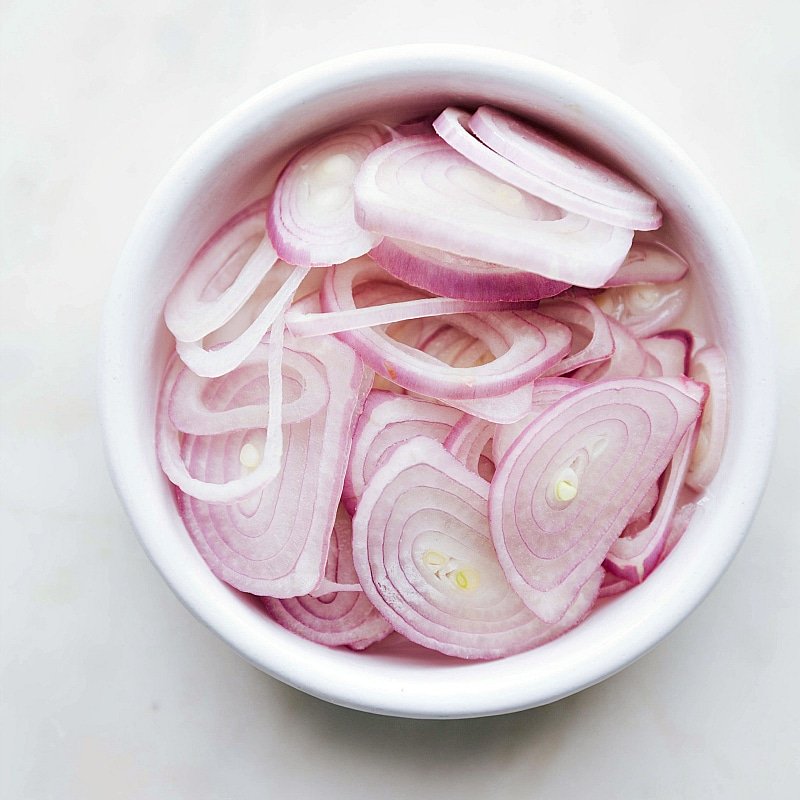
{"x": 236, "y": 161}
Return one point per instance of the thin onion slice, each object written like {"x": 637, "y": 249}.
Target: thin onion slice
{"x": 672, "y": 350}
{"x": 709, "y": 367}
{"x": 387, "y": 420}
{"x": 612, "y": 585}
{"x": 222, "y": 276}
{"x": 232, "y": 488}
{"x": 524, "y": 343}
{"x": 420, "y": 190}
{"x": 649, "y": 262}
{"x": 337, "y": 617}
{"x": 310, "y": 219}
{"x": 221, "y": 360}
{"x": 453, "y": 126}
{"x": 321, "y": 324}
{"x": 630, "y": 359}
{"x": 570, "y": 482}
{"x": 680, "y": 522}
{"x": 546, "y": 391}
{"x": 451, "y": 275}
{"x": 423, "y": 554}
{"x": 275, "y": 542}
{"x": 469, "y": 441}
{"x": 592, "y": 338}
{"x": 551, "y": 159}
{"x": 634, "y": 557}
{"x": 645, "y": 309}
{"x": 200, "y": 405}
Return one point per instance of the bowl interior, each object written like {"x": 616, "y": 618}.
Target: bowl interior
{"x": 238, "y": 161}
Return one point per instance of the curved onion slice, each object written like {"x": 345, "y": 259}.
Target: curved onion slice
{"x": 420, "y": 190}
{"x": 646, "y": 308}
{"x": 612, "y": 584}
{"x": 320, "y": 324}
{"x": 649, "y": 262}
{"x": 234, "y": 486}
{"x": 680, "y": 522}
{"x": 221, "y": 360}
{"x": 552, "y": 160}
{"x": 630, "y": 359}
{"x": 310, "y": 219}
{"x": 546, "y": 391}
{"x": 634, "y": 557}
{"x": 221, "y": 277}
{"x": 567, "y": 487}
{"x": 708, "y": 366}
{"x": 337, "y": 617}
{"x": 524, "y": 343}
{"x": 276, "y": 541}
{"x": 387, "y": 420}
{"x": 672, "y": 350}
{"x": 423, "y": 554}
{"x": 451, "y": 275}
{"x": 469, "y": 441}
{"x": 200, "y": 405}
{"x": 592, "y": 339}
{"x": 453, "y": 126}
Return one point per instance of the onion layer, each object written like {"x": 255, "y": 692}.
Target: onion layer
{"x": 424, "y": 557}
{"x": 570, "y": 482}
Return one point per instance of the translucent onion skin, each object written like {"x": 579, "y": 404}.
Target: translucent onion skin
{"x": 336, "y": 618}
{"x": 424, "y": 557}
{"x": 275, "y": 542}
{"x": 609, "y": 442}
{"x": 649, "y": 262}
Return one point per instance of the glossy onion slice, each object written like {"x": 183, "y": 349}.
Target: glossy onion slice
{"x": 552, "y": 160}
{"x": 275, "y": 542}
{"x": 649, "y": 262}
{"x": 217, "y": 361}
{"x": 524, "y": 344}
{"x": 645, "y": 309}
{"x": 249, "y": 477}
{"x": 612, "y": 584}
{"x": 310, "y": 219}
{"x": 546, "y": 391}
{"x": 629, "y": 360}
{"x": 453, "y": 126}
{"x": 221, "y": 277}
{"x": 200, "y": 405}
{"x": 337, "y": 617}
{"x": 421, "y": 190}
{"x": 571, "y": 481}
{"x": 634, "y": 557}
{"x": 424, "y": 557}
{"x": 672, "y": 350}
{"x": 708, "y": 366}
{"x": 470, "y": 441}
{"x": 592, "y": 339}
{"x": 451, "y": 275}
{"x": 387, "y": 420}
{"x": 680, "y": 522}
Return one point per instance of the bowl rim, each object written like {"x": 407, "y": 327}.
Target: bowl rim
{"x": 319, "y": 675}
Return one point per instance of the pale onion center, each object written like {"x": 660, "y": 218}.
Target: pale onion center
{"x": 566, "y": 488}
{"x": 448, "y": 569}
{"x": 643, "y": 298}
{"x": 249, "y": 456}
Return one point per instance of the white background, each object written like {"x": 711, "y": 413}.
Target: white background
{"x": 109, "y": 688}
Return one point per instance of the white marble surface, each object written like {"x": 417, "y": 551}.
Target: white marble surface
{"x": 109, "y": 688}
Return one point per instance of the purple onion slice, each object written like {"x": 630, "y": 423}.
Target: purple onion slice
{"x": 423, "y": 554}
{"x": 524, "y": 344}
{"x": 569, "y": 484}
{"x": 387, "y": 420}
{"x": 336, "y": 617}
{"x": 420, "y": 190}
{"x": 645, "y": 309}
{"x": 310, "y": 219}
{"x": 275, "y": 541}
{"x": 649, "y": 262}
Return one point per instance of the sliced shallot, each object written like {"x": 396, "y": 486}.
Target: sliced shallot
{"x": 420, "y": 190}
{"x": 649, "y": 262}
{"x": 338, "y": 617}
{"x": 423, "y": 554}
{"x": 570, "y": 482}
{"x": 551, "y": 159}
{"x": 310, "y": 219}
{"x": 646, "y": 308}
